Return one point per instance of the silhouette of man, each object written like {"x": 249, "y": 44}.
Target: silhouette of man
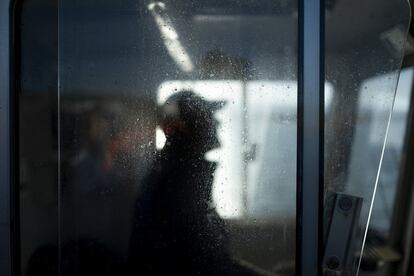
{"x": 176, "y": 230}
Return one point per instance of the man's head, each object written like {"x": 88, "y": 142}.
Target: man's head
{"x": 188, "y": 118}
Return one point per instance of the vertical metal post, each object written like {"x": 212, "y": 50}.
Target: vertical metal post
{"x": 5, "y": 240}
{"x": 310, "y": 148}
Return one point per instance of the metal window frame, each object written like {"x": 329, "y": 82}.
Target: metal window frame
{"x": 310, "y": 141}
{"x": 6, "y": 141}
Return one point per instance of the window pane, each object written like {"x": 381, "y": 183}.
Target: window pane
{"x": 363, "y": 58}
{"x": 381, "y": 227}
{"x": 388, "y": 181}
{"x": 172, "y": 130}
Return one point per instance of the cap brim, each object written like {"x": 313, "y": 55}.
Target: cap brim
{"x": 216, "y": 105}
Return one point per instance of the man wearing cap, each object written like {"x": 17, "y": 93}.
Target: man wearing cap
{"x": 176, "y": 230}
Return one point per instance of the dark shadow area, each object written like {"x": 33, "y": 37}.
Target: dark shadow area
{"x": 176, "y": 229}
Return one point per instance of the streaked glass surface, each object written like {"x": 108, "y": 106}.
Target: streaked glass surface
{"x": 394, "y": 151}
{"x": 363, "y": 59}
{"x": 120, "y": 188}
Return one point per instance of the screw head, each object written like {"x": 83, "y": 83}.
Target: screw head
{"x": 345, "y": 203}
{"x": 332, "y": 263}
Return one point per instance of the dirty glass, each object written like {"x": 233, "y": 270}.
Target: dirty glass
{"x": 363, "y": 58}
{"x": 382, "y": 224}
{"x": 382, "y": 210}
{"x": 37, "y": 129}
{"x": 167, "y": 139}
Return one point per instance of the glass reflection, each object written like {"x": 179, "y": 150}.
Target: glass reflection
{"x": 363, "y": 66}
{"x": 228, "y": 208}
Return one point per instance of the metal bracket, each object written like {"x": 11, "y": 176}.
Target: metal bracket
{"x": 340, "y": 244}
